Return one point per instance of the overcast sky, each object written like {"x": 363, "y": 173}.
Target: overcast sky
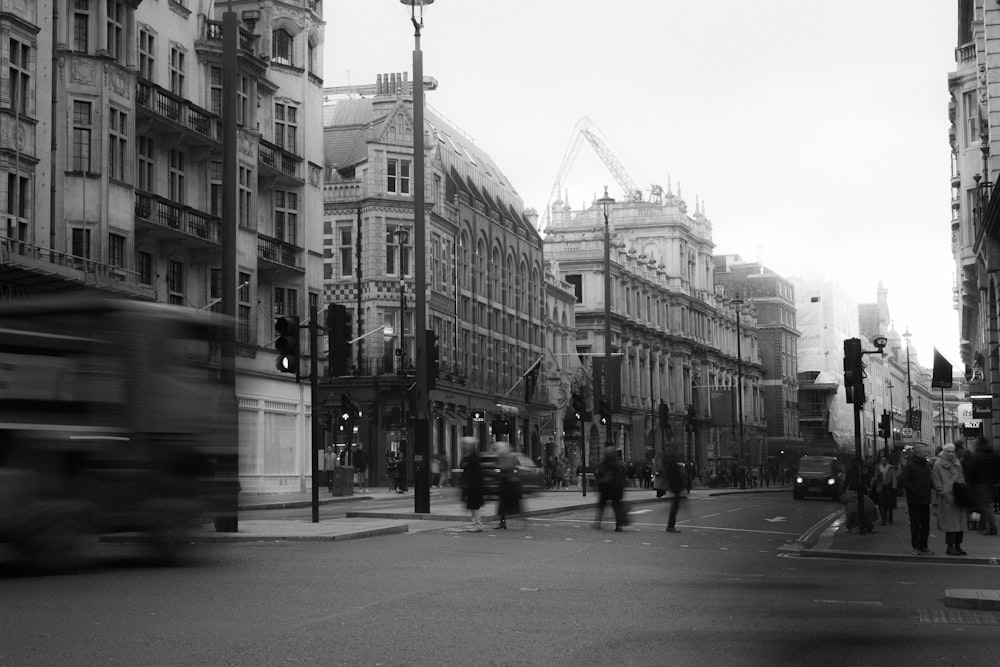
{"x": 815, "y": 132}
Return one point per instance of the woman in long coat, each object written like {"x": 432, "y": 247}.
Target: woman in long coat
{"x": 472, "y": 482}
{"x": 510, "y": 486}
{"x": 950, "y": 516}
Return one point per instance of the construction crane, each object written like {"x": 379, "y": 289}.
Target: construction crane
{"x": 585, "y": 129}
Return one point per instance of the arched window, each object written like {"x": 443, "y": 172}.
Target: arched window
{"x": 281, "y": 47}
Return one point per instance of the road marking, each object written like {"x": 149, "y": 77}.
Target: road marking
{"x": 866, "y": 603}
{"x": 736, "y": 509}
{"x": 776, "y": 519}
{"x": 640, "y": 511}
{"x": 709, "y": 516}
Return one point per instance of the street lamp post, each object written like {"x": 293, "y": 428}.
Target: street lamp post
{"x": 421, "y": 439}
{"x": 401, "y": 238}
{"x": 892, "y": 412}
{"x": 606, "y": 203}
{"x": 738, "y": 304}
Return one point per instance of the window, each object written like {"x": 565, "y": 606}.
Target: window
{"x": 244, "y": 198}
{"x": 215, "y": 188}
{"x": 144, "y": 267}
{"x": 281, "y": 47}
{"x": 576, "y": 281}
{"x": 117, "y": 143}
{"x": 147, "y": 54}
{"x": 116, "y": 30}
{"x": 313, "y": 58}
{"x": 215, "y": 95}
{"x": 970, "y": 102}
{"x": 175, "y": 283}
{"x": 144, "y": 164}
{"x": 175, "y": 177}
{"x": 286, "y": 301}
{"x": 116, "y": 250}
{"x": 285, "y": 215}
{"x": 397, "y": 250}
{"x": 82, "y": 129}
{"x": 20, "y": 77}
{"x": 215, "y": 290}
{"x": 177, "y": 70}
{"x": 18, "y": 195}
{"x": 81, "y": 243}
{"x": 346, "y": 248}
{"x": 398, "y": 177}
{"x": 285, "y": 126}
{"x": 243, "y": 309}
{"x": 81, "y": 26}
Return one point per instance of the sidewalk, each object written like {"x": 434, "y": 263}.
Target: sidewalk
{"x": 892, "y": 542}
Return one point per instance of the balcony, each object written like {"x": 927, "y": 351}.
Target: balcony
{"x": 278, "y": 256}
{"x": 168, "y": 220}
{"x": 171, "y": 114}
{"x": 35, "y": 269}
{"x": 279, "y": 164}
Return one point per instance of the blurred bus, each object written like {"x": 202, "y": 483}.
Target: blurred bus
{"x": 110, "y": 421}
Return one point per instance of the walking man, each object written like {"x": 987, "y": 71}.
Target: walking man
{"x": 916, "y": 482}
{"x": 675, "y": 484}
{"x": 985, "y": 473}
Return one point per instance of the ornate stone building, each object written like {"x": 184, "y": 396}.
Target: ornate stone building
{"x": 676, "y": 334}
{"x": 111, "y": 144}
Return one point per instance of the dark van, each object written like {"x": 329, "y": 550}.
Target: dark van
{"x": 817, "y": 476}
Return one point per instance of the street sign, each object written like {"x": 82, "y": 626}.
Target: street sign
{"x": 907, "y": 432}
{"x": 963, "y": 411}
{"x": 478, "y": 416}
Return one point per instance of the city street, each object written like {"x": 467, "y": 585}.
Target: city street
{"x": 551, "y": 590}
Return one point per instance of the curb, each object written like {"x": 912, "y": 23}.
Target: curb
{"x": 971, "y": 598}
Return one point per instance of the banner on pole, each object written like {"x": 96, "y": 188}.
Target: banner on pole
{"x": 942, "y": 374}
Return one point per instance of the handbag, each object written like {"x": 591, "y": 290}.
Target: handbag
{"x": 960, "y": 492}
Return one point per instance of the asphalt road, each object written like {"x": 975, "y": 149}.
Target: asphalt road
{"x": 552, "y": 590}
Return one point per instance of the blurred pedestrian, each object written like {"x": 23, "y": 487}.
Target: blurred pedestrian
{"x": 610, "y": 477}
{"x": 360, "y": 469}
{"x": 885, "y": 488}
{"x": 510, "y": 487}
{"x": 472, "y": 482}
{"x": 392, "y": 471}
{"x": 329, "y": 462}
{"x": 631, "y": 472}
{"x": 674, "y": 473}
{"x": 647, "y": 476}
{"x": 984, "y": 476}
{"x": 946, "y": 473}
{"x": 852, "y": 519}
{"x": 915, "y": 479}
{"x": 559, "y": 474}
{"x": 401, "y": 469}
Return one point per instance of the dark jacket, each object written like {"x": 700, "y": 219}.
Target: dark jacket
{"x": 610, "y": 476}
{"x": 916, "y": 481}
{"x": 984, "y": 468}
{"x": 472, "y": 481}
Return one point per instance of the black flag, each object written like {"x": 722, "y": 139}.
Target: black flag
{"x": 531, "y": 380}
{"x": 941, "y": 376}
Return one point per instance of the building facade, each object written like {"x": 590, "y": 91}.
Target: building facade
{"x": 677, "y": 335}
{"x": 486, "y": 291}
{"x": 112, "y": 148}
{"x": 772, "y": 297}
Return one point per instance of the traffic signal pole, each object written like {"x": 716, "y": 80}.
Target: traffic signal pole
{"x": 317, "y": 427}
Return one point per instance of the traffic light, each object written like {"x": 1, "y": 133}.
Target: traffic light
{"x": 287, "y": 343}
{"x": 885, "y": 426}
{"x": 433, "y": 358}
{"x": 605, "y": 411}
{"x": 349, "y": 410}
{"x": 854, "y": 373}
{"x": 339, "y": 337}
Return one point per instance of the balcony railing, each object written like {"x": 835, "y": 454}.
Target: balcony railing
{"x": 167, "y": 214}
{"x": 165, "y": 104}
{"x": 246, "y": 41}
{"x": 279, "y": 252}
{"x": 278, "y": 158}
{"x": 965, "y": 53}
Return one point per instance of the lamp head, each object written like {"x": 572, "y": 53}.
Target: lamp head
{"x": 605, "y": 202}
{"x": 880, "y": 342}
